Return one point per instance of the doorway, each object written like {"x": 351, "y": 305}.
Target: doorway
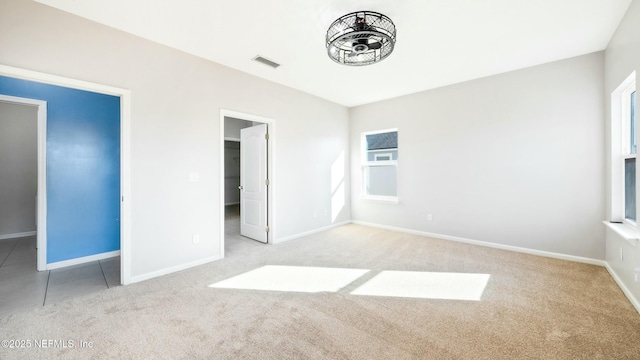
{"x": 247, "y": 164}
{"x": 42, "y": 86}
{"x": 24, "y": 124}
{"x": 28, "y": 281}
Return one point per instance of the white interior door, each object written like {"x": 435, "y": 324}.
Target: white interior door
{"x": 253, "y": 182}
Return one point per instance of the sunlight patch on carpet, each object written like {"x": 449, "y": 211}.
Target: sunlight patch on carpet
{"x": 292, "y": 278}
{"x": 426, "y": 285}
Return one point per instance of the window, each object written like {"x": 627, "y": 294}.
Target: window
{"x": 624, "y": 145}
{"x": 628, "y": 102}
{"x": 380, "y": 165}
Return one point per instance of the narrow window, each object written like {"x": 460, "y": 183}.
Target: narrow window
{"x": 380, "y": 165}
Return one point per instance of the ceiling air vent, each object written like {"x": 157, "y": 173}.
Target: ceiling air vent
{"x": 266, "y": 61}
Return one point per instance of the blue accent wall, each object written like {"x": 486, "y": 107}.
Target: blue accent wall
{"x": 83, "y": 168}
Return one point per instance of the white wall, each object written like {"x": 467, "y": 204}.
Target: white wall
{"x": 18, "y": 168}
{"x": 176, "y": 102}
{"x": 622, "y": 57}
{"x": 514, "y": 159}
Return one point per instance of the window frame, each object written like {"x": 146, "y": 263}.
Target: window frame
{"x": 386, "y": 154}
{"x": 365, "y": 163}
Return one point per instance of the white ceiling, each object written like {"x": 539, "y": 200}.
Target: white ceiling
{"x": 439, "y": 42}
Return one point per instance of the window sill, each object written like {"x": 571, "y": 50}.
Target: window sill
{"x": 382, "y": 200}
{"x": 625, "y": 231}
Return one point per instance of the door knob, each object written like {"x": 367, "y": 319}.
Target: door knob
{"x": 240, "y": 187}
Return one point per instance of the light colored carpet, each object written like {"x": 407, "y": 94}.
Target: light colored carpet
{"x": 532, "y": 308}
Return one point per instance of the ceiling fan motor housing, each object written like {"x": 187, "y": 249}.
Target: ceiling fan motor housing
{"x": 361, "y": 38}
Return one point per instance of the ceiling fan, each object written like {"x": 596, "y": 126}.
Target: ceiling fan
{"x": 361, "y": 38}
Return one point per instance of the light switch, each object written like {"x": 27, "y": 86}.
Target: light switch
{"x": 194, "y": 177}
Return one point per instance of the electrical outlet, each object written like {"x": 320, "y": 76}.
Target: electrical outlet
{"x": 196, "y": 238}
{"x": 636, "y": 274}
{"x": 621, "y": 254}
{"x": 429, "y": 217}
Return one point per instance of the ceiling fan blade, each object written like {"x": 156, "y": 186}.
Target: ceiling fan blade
{"x": 375, "y": 46}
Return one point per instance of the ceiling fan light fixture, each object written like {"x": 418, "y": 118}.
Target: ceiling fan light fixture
{"x": 361, "y": 38}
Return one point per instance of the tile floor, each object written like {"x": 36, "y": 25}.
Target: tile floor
{"x": 22, "y": 287}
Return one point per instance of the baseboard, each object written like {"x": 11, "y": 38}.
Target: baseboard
{"x": 310, "y": 232}
{"x": 624, "y": 288}
{"x": 489, "y": 244}
{"x": 18, "y": 235}
{"x": 169, "y": 270}
{"x": 82, "y": 260}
